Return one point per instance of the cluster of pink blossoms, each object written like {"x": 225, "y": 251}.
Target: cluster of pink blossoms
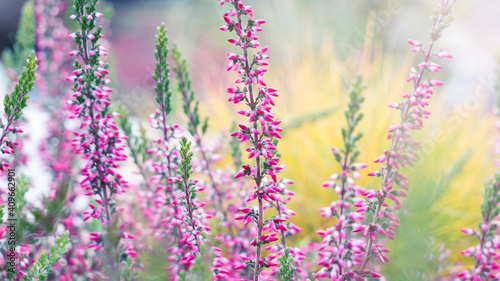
{"x": 100, "y": 144}
{"x": 56, "y": 149}
{"x": 262, "y": 133}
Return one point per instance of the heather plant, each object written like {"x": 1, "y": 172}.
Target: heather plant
{"x": 59, "y": 209}
{"x": 105, "y": 227}
{"x": 54, "y": 67}
{"x": 402, "y": 150}
{"x": 101, "y": 144}
{"x": 340, "y": 249}
{"x": 14, "y": 103}
{"x": 32, "y": 235}
{"x": 286, "y": 270}
{"x": 262, "y": 133}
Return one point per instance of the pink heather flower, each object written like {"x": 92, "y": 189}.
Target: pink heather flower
{"x": 100, "y": 144}
{"x": 269, "y": 190}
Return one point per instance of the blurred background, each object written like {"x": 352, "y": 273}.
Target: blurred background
{"x": 317, "y": 48}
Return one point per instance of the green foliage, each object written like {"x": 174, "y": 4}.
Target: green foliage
{"x": 188, "y": 95}
{"x": 162, "y": 71}
{"x": 26, "y": 227}
{"x": 21, "y": 189}
{"x": 186, "y": 168}
{"x": 130, "y": 273}
{"x": 53, "y": 210}
{"x": 43, "y": 266}
{"x": 1, "y": 213}
{"x": 286, "y": 269}
{"x": 45, "y": 220}
{"x": 25, "y": 39}
{"x": 490, "y": 208}
{"x": 189, "y": 186}
{"x": 16, "y": 101}
{"x": 419, "y": 222}
{"x": 353, "y": 117}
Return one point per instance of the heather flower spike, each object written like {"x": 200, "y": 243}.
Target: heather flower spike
{"x": 262, "y": 132}
{"x": 98, "y": 141}
{"x": 14, "y": 103}
{"x": 340, "y": 249}
{"x": 402, "y": 150}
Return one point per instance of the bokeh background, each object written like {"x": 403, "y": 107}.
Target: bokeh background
{"x": 317, "y": 47}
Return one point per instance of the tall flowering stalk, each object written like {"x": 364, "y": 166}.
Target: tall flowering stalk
{"x": 56, "y": 149}
{"x": 165, "y": 160}
{"x": 340, "y": 249}
{"x": 100, "y": 143}
{"x": 402, "y": 150}
{"x": 181, "y": 217}
{"x": 261, "y": 132}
